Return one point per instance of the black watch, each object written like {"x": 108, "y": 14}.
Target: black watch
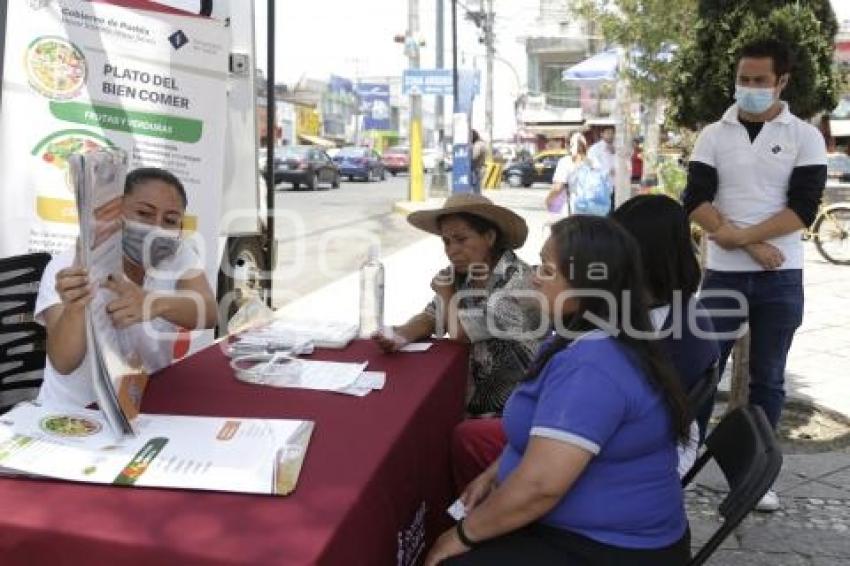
{"x": 467, "y": 542}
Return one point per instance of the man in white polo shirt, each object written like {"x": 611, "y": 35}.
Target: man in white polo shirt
{"x": 755, "y": 181}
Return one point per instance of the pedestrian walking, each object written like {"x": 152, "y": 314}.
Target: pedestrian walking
{"x": 479, "y": 157}
{"x": 755, "y": 181}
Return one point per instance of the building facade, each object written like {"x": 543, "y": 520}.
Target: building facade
{"x": 553, "y": 108}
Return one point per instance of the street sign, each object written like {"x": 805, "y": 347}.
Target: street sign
{"x": 375, "y": 105}
{"x": 437, "y": 82}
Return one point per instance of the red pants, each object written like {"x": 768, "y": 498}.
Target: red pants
{"x": 476, "y": 443}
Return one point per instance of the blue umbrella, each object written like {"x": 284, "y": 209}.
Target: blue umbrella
{"x": 603, "y": 65}
{"x": 600, "y": 67}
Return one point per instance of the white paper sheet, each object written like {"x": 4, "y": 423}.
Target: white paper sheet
{"x": 417, "y": 347}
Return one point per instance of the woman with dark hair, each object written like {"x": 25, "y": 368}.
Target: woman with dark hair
{"x": 475, "y": 297}
{"x": 672, "y": 273}
{"x": 588, "y": 475}
{"x": 163, "y": 288}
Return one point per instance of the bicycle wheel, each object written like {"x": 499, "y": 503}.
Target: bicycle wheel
{"x": 832, "y": 234}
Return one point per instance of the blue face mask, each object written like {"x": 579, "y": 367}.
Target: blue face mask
{"x": 754, "y": 100}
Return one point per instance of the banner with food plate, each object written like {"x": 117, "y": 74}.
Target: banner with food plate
{"x": 82, "y": 75}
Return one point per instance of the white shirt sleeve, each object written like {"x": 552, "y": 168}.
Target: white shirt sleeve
{"x": 812, "y": 148}
{"x": 704, "y": 147}
{"x": 47, "y": 295}
{"x": 563, "y": 170}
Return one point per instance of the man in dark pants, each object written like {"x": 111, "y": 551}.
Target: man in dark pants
{"x": 755, "y": 181}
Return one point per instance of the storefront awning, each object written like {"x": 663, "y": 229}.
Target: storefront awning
{"x": 529, "y": 131}
{"x": 316, "y": 140}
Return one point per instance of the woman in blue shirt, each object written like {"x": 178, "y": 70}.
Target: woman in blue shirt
{"x": 663, "y": 232}
{"x": 589, "y": 472}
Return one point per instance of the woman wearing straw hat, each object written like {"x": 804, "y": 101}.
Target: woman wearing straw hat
{"x": 475, "y": 297}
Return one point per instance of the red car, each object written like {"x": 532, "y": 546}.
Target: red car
{"x": 396, "y": 160}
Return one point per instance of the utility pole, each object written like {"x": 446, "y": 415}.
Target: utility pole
{"x": 357, "y": 116}
{"x": 454, "y": 56}
{"x": 417, "y": 180}
{"x": 440, "y": 108}
{"x": 439, "y": 182}
{"x": 490, "y": 41}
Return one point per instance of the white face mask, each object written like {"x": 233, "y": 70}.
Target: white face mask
{"x": 754, "y": 100}
{"x": 149, "y": 245}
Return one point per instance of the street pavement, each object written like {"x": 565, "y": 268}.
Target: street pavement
{"x": 323, "y": 235}
{"x": 811, "y": 529}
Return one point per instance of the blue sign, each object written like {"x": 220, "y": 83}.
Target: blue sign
{"x": 438, "y": 82}
{"x": 375, "y": 105}
{"x": 462, "y": 168}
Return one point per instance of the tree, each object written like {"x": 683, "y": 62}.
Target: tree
{"x": 703, "y": 78}
{"x": 649, "y": 30}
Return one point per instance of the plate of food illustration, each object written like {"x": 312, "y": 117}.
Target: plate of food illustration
{"x": 56, "y": 68}
{"x": 69, "y": 425}
{"x": 58, "y": 147}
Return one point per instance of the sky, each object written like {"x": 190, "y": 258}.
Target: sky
{"x": 355, "y": 39}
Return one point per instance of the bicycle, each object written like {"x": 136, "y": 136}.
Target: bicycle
{"x": 831, "y": 233}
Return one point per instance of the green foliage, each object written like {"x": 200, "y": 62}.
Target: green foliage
{"x": 703, "y": 81}
{"x": 672, "y": 178}
{"x": 648, "y": 27}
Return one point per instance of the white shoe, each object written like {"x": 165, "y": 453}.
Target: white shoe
{"x": 769, "y": 502}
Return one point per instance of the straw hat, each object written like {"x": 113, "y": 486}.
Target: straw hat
{"x": 513, "y": 227}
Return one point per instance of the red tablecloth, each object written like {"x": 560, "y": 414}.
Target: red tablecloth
{"x": 377, "y": 468}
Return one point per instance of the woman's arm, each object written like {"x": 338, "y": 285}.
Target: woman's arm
{"x": 545, "y": 474}
{"x": 451, "y": 322}
{"x": 420, "y": 326}
{"x": 66, "y": 321}
{"x": 191, "y": 306}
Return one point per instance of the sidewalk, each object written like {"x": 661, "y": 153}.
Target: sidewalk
{"x": 813, "y": 528}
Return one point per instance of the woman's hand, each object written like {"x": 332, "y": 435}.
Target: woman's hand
{"x": 390, "y": 340}
{"x": 72, "y": 285}
{"x": 443, "y": 283}
{"x": 130, "y": 306}
{"x": 552, "y": 196}
{"x": 479, "y": 488}
{"x": 446, "y": 546}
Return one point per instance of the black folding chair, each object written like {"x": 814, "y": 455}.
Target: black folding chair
{"x": 744, "y": 446}
{"x": 22, "y": 340}
{"x": 703, "y": 390}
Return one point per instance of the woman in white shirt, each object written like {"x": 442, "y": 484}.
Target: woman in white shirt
{"x": 163, "y": 289}
{"x": 564, "y": 177}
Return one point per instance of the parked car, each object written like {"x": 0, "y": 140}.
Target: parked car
{"x": 539, "y": 169}
{"x": 361, "y": 163}
{"x": 305, "y": 165}
{"x": 396, "y": 160}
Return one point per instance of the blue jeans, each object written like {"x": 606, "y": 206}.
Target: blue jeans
{"x": 774, "y": 309}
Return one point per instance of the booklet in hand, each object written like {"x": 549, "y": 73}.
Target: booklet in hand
{"x": 118, "y": 376}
